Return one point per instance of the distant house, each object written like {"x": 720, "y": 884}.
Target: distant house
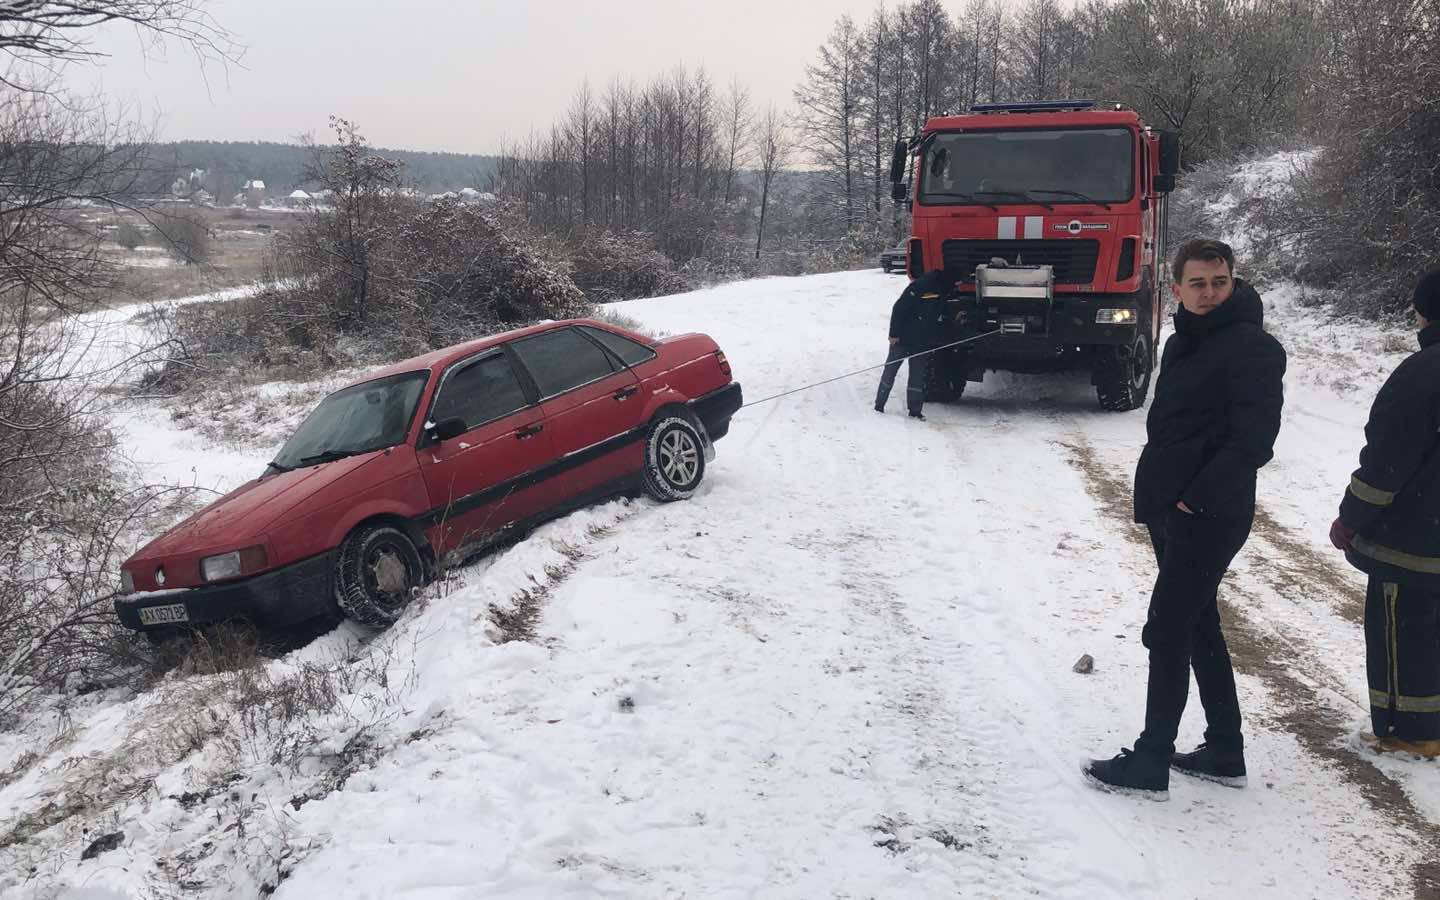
{"x": 254, "y": 192}
{"x": 298, "y": 199}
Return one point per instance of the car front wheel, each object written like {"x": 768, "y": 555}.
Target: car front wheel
{"x": 376, "y": 573}
{"x": 674, "y": 459}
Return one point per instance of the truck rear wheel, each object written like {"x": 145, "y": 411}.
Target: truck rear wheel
{"x": 1122, "y": 378}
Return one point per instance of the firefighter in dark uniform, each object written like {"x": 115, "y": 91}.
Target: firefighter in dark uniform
{"x": 1212, "y": 424}
{"x": 917, "y": 323}
{"x": 1389, "y": 528}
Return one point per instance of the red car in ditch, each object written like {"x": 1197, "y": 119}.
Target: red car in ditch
{"x": 432, "y": 460}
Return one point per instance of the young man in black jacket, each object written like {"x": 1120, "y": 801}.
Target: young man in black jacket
{"x": 1389, "y": 528}
{"x": 916, "y": 325}
{"x": 1212, "y": 425}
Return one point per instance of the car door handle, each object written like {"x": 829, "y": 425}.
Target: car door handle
{"x": 528, "y": 431}
{"x": 626, "y": 393}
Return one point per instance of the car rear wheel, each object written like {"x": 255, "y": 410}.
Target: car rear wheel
{"x": 674, "y": 459}
{"x": 377, "y": 571}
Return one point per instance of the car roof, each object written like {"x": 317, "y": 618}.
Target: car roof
{"x": 439, "y": 359}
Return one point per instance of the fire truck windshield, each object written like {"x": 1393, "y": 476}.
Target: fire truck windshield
{"x": 1073, "y": 165}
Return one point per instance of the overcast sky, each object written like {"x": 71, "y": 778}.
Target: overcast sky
{"x": 461, "y": 75}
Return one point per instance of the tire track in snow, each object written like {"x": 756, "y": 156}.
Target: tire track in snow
{"x": 1307, "y": 709}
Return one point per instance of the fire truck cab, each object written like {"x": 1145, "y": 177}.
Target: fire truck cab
{"x": 1050, "y": 219}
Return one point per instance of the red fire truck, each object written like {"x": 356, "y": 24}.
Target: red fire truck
{"x": 1050, "y": 218}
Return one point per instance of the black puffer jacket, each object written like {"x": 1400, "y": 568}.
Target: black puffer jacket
{"x": 1393, "y": 502}
{"x": 918, "y": 317}
{"x": 1216, "y": 412}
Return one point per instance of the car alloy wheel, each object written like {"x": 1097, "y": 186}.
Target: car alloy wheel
{"x": 674, "y": 458}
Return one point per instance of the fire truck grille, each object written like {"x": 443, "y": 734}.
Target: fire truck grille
{"x": 1074, "y": 260}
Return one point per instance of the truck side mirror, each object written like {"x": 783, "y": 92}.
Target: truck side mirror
{"x": 1169, "y": 157}
{"x": 900, "y": 191}
{"x": 897, "y": 162}
{"x": 1164, "y": 184}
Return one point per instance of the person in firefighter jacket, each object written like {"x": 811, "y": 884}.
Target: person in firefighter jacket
{"x": 1212, "y": 424}
{"x": 1389, "y": 528}
{"x": 916, "y": 326}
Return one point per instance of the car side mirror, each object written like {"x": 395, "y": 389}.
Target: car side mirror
{"x": 900, "y": 191}
{"x": 1164, "y": 184}
{"x": 446, "y": 429}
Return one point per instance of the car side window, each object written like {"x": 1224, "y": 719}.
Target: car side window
{"x": 562, "y": 359}
{"x": 481, "y": 392}
{"x": 632, "y": 353}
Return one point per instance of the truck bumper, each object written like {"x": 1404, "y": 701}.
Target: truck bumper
{"x": 273, "y": 599}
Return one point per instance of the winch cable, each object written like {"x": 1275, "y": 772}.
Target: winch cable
{"x": 896, "y": 361}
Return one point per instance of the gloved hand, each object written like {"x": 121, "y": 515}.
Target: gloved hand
{"x": 1341, "y": 535}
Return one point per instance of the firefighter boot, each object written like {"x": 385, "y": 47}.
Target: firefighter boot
{"x": 1422, "y": 749}
{"x": 1136, "y": 774}
{"x": 1212, "y": 764}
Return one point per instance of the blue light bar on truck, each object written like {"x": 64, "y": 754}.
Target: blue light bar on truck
{"x": 1034, "y": 106}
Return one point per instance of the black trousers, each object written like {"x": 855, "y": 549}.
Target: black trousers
{"x": 1182, "y": 631}
{"x": 914, "y": 383}
{"x": 1402, "y": 660}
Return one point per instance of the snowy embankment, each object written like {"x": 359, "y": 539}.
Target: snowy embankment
{"x": 843, "y": 669}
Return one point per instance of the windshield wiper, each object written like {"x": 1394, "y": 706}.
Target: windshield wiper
{"x": 1075, "y": 194}
{"x": 1021, "y": 194}
{"x": 325, "y": 456}
{"x": 272, "y": 464}
{"x": 971, "y": 197}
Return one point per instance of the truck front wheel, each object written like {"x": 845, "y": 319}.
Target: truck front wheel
{"x": 1122, "y": 376}
{"x": 945, "y": 381}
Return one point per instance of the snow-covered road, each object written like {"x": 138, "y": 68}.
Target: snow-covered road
{"x": 843, "y": 669}
{"x": 850, "y": 664}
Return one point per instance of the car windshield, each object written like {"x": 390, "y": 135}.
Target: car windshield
{"x": 358, "y": 419}
{"x": 1043, "y": 167}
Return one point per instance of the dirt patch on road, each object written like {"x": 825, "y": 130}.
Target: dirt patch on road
{"x": 1305, "y": 712}
{"x": 1299, "y": 566}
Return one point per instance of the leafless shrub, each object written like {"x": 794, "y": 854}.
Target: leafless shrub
{"x": 128, "y": 235}
{"x": 610, "y": 266}
{"x": 184, "y": 234}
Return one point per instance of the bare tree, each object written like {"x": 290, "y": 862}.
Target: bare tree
{"x": 735, "y": 122}
{"x": 364, "y": 188}
{"x": 62, "y": 511}
{"x": 772, "y": 147}
{"x": 830, "y": 101}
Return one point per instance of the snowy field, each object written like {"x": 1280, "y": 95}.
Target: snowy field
{"x": 842, "y": 670}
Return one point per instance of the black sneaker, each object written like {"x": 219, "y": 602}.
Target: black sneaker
{"x": 1205, "y": 761}
{"x": 1135, "y": 774}
{"x": 920, "y": 416}
{"x": 879, "y": 408}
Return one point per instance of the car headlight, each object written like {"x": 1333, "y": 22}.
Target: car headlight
{"x": 1115, "y": 317}
{"x": 229, "y": 565}
{"x": 226, "y": 565}
{"x": 127, "y": 582}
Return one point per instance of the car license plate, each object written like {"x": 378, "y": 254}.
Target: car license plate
{"x": 164, "y": 615}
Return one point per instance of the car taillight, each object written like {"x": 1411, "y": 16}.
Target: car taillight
{"x": 724, "y": 363}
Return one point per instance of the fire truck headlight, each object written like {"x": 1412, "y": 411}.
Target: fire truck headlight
{"x": 1115, "y": 317}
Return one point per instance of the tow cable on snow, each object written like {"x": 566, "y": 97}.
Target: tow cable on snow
{"x": 807, "y": 387}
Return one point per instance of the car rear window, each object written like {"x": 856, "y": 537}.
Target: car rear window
{"x": 561, "y": 360}
{"x": 632, "y": 353}
{"x": 480, "y": 392}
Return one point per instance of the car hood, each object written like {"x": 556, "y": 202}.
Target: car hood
{"x": 246, "y": 512}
